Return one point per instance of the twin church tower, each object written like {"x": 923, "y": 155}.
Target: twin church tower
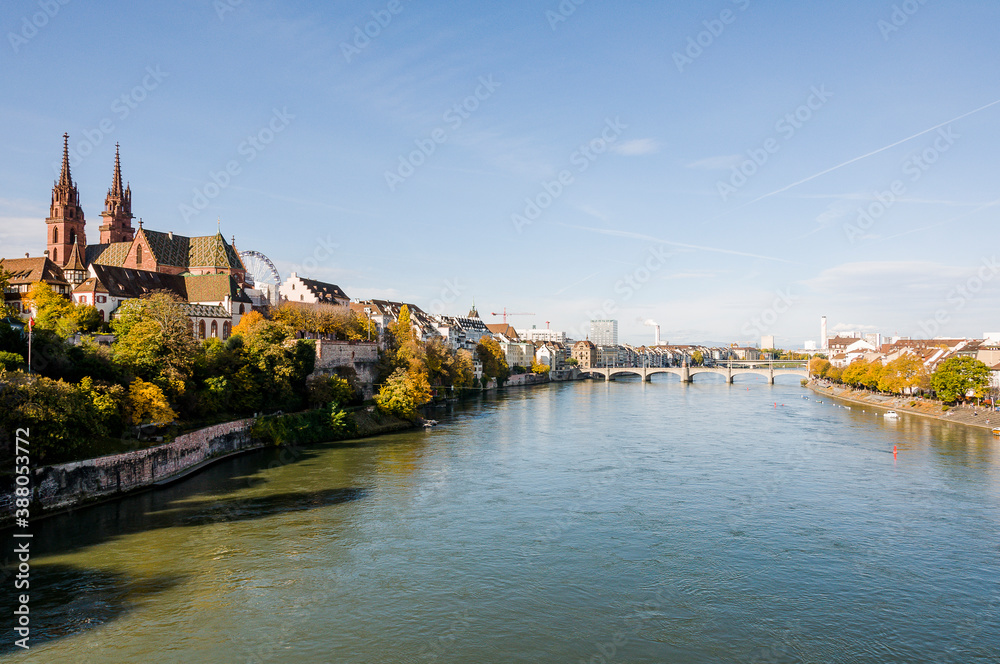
{"x": 122, "y": 246}
{"x": 66, "y": 225}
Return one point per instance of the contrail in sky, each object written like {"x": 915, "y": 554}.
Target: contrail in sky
{"x": 865, "y": 156}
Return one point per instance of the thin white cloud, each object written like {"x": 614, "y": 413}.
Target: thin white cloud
{"x": 984, "y": 206}
{"x": 876, "y": 280}
{"x": 21, "y": 205}
{"x": 691, "y": 275}
{"x": 720, "y": 163}
{"x": 671, "y": 243}
{"x": 577, "y": 283}
{"x": 854, "y": 327}
{"x": 593, "y": 212}
{"x": 635, "y": 147}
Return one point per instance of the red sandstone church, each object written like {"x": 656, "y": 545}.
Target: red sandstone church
{"x": 129, "y": 262}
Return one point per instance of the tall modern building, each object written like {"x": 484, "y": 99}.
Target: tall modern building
{"x": 823, "y": 341}
{"x": 604, "y": 332}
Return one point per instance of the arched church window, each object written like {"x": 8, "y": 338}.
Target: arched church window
{"x": 201, "y": 329}
{"x": 215, "y": 328}
{"x": 138, "y": 261}
{"x": 55, "y": 255}
{"x": 55, "y": 235}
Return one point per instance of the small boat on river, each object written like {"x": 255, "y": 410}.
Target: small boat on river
{"x": 892, "y": 415}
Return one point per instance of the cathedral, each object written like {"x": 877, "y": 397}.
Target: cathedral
{"x": 206, "y": 272}
{"x": 120, "y": 244}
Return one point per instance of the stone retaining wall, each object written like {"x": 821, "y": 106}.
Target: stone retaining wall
{"x": 362, "y": 356}
{"x": 70, "y": 484}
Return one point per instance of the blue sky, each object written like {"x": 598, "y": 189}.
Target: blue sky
{"x": 645, "y": 128}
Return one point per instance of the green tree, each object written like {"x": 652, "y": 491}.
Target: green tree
{"x": 10, "y": 361}
{"x": 397, "y": 396}
{"x": 463, "y": 370}
{"x": 50, "y": 308}
{"x": 85, "y": 318}
{"x": 697, "y": 358}
{"x": 155, "y": 341}
{"x": 493, "y": 359}
{"x": 956, "y": 377}
{"x": 60, "y": 415}
{"x": 538, "y": 367}
{"x": 275, "y": 367}
{"x": 107, "y": 401}
{"x": 329, "y": 389}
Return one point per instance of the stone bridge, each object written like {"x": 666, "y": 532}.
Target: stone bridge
{"x": 765, "y": 368}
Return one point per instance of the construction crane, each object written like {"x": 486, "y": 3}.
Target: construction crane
{"x": 505, "y": 314}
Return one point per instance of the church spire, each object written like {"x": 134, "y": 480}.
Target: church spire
{"x": 65, "y": 225}
{"x": 65, "y": 179}
{"x": 117, "y": 215}
{"x": 116, "y": 181}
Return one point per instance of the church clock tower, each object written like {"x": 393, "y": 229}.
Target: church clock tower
{"x": 65, "y": 224}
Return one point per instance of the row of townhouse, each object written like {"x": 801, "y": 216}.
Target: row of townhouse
{"x": 932, "y": 352}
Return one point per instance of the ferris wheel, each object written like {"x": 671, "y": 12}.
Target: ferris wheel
{"x": 260, "y": 269}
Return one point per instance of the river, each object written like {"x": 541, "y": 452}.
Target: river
{"x": 595, "y": 522}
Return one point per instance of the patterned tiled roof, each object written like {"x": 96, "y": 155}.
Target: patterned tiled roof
{"x": 202, "y": 251}
{"x": 172, "y": 250}
{"x": 107, "y": 254}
